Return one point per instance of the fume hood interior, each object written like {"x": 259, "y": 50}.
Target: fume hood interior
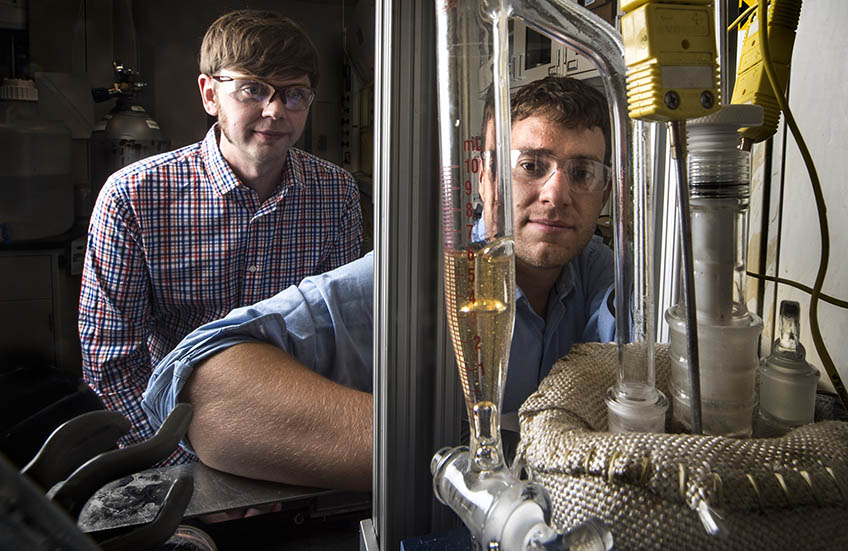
{"x": 70, "y": 47}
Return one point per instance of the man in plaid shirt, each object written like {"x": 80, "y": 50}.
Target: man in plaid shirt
{"x": 182, "y": 238}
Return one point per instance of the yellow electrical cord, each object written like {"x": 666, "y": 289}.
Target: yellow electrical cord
{"x": 827, "y": 361}
{"x": 741, "y": 17}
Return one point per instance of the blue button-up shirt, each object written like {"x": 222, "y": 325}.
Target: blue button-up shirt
{"x": 327, "y": 323}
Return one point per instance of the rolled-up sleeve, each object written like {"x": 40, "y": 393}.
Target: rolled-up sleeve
{"x": 326, "y": 322}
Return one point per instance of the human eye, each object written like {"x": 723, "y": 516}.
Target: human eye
{"x": 297, "y": 94}
{"x": 583, "y": 173}
{"x": 533, "y": 165}
{"x": 249, "y": 90}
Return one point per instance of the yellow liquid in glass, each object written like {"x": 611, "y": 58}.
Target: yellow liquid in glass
{"x": 480, "y": 303}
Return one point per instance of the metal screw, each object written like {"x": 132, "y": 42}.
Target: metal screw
{"x": 707, "y": 99}
{"x": 672, "y": 100}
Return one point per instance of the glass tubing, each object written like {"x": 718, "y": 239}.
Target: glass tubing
{"x": 590, "y": 36}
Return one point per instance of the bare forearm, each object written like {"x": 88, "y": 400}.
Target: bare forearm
{"x": 259, "y": 413}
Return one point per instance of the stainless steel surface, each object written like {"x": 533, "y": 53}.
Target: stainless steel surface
{"x": 136, "y": 499}
{"x": 367, "y": 537}
{"x": 416, "y": 393}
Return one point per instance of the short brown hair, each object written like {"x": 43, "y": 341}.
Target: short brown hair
{"x": 563, "y": 100}
{"x": 261, "y": 44}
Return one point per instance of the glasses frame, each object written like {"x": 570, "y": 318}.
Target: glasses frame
{"x": 281, "y": 90}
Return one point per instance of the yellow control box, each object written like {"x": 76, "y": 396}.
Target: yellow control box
{"x": 670, "y": 52}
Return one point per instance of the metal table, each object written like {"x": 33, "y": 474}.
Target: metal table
{"x": 136, "y": 499}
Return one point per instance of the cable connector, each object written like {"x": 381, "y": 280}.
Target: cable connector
{"x": 670, "y": 52}
{"x": 752, "y": 84}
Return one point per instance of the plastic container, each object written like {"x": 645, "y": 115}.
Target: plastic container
{"x": 36, "y": 188}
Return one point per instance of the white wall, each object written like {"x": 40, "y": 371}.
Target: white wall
{"x": 819, "y": 75}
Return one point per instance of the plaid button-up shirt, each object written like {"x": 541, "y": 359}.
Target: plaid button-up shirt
{"x": 176, "y": 240}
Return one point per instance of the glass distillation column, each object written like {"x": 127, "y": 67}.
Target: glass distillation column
{"x": 500, "y": 511}
{"x": 719, "y": 186}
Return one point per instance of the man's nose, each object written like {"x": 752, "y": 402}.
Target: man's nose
{"x": 556, "y": 190}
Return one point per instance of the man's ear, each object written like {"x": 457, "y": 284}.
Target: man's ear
{"x": 207, "y": 94}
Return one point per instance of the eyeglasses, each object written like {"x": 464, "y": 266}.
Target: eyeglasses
{"x": 537, "y": 167}
{"x": 256, "y": 92}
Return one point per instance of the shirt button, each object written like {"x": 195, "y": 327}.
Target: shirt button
{"x": 252, "y": 268}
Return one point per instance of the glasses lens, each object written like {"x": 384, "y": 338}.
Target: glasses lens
{"x": 250, "y": 91}
{"x": 586, "y": 175}
{"x": 530, "y": 167}
{"x": 298, "y": 98}
{"x": 489, "y": 161}
{"x": 295, "y": 98}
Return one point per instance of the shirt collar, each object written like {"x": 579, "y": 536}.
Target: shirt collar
{"x": 221, "y": 176}
{"x": 293, "y": 171}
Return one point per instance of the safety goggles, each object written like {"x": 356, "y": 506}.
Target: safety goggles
{"x": 255, "y": 92}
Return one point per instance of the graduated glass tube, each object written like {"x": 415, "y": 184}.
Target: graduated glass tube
{"x": 479, "y": 263}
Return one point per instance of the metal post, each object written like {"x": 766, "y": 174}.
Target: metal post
{"x": 417, "y": 405}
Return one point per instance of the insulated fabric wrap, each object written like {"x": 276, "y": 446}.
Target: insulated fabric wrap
{"x": 764, "y": 493}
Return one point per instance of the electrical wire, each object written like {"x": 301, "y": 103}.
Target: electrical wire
{"x": 821, "y": 207}
{"x": 741, "y": 17}
{"x": 809, "y": 290}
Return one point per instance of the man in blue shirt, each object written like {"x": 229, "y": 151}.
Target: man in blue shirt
{"x": 281, "y": 389}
